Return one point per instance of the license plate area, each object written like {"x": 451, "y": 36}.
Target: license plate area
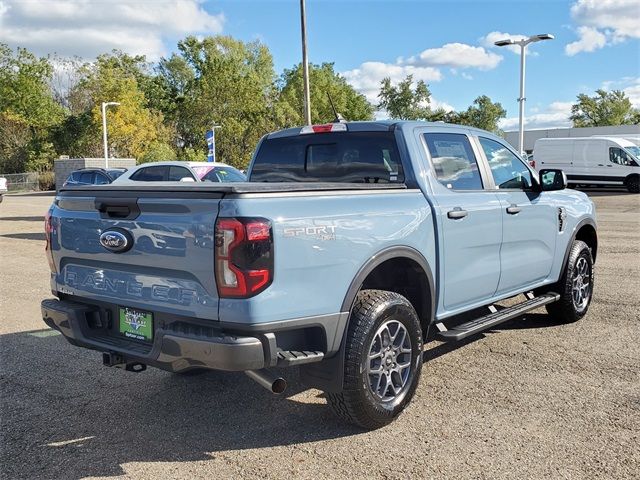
{"x": 135, "y": 324}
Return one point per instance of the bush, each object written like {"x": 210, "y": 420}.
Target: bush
{"x": 46, "y": 181}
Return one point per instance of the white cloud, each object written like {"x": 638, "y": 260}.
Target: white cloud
{"x": 425, "y": 66}
{"x": 590, "y": 40}
{"x": 457, "y": 55}
{"x": 603, "y": 22}
{"x": 556, "y": 115}
{"x": 86, "y": 28}
{"x": 366, "y": 78}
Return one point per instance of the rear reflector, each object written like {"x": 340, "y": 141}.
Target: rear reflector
{"x": 327, "y": 127}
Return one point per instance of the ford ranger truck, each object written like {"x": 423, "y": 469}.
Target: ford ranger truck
{"x": 349, "y": 246}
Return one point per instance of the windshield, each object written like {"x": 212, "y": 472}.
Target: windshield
{"x": 202, "y": 170}
{"x": 224, "y": 174}
{"x": 343, "y": 157}
{"x": 634, "y": 150}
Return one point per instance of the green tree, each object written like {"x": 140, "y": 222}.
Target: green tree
{"x": 324, "y": 83}
{"x": 220, "y": 80}
{"x": 134, "y": 126}
{"x": 483, "y": 114}
{"x": 604, "y": 108}
{"x": 403, "y": 102}
{"x": 27, "y": 111}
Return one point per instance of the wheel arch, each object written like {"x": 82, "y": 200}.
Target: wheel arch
{"x": 377, "y": 273}
{"x": 328, "y": 375}
{"x": 586, "y": 231}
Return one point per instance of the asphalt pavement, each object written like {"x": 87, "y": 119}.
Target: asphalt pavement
{"x": 529, "y": 399}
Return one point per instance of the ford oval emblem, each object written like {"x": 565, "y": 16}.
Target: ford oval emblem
{"x": 116, "y": 240}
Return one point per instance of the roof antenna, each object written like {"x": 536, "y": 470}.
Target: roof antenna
{"x": 338, "y": 118}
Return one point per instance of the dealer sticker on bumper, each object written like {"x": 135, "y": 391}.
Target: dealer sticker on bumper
{"x": 136, "y": 324}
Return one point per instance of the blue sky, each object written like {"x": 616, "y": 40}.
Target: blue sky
{"x": 446, "y": 43}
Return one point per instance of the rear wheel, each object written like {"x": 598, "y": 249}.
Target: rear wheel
{"x": 575, "y": 287}
{"x": 383, "y": 360}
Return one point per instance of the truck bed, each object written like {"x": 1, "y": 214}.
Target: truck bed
{"x": 227, "y": 188}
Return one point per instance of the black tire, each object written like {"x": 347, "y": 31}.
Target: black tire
{"x": 633, "y": 184}
{"x": 568, "y": 309}
{"x": 373, "y": 312}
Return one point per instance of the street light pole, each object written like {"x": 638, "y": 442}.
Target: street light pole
{"x": 104, "y": 131}
{"x": 305, "y": 63}
{"x": 523, "y": 42}
{"x": 521, "y": 100}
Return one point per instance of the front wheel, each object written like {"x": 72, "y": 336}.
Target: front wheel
{"x": 633, "y": 184}
{"x": 575, "y": 286}
{"x": 383, "y": 360}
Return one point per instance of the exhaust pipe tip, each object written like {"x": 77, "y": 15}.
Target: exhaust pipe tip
{"x": 279, "y": 385}
{"x": 268, "y": 380}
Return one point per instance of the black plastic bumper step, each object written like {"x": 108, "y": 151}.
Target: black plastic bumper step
{"x": 481, "y": 324}
{"x": 287, "y": 358}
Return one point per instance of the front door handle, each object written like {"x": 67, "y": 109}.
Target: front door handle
{"x": 457, "y": 213}
{"x": 513, "y": 209}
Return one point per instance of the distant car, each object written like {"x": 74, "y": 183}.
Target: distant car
{"x": 3, "y": 187}
{"x": 183, "y": 172}
{"x": 93, "y": 176}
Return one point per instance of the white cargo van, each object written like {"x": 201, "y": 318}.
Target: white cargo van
{"x": 591, "y": 160}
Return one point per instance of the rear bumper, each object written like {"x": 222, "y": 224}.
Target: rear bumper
{"x": 176, "y": 348}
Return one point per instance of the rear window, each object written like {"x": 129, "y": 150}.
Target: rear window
{"x": 342, "y": 157}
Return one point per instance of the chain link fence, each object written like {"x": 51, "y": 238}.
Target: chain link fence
{"x": 24, "y": 182}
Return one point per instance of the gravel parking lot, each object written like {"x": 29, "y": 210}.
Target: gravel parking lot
{"x": 528, "y": 400}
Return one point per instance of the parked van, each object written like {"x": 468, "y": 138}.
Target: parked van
{"x": 591, "y": 160}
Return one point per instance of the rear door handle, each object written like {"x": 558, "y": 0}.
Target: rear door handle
{"x": 513, "y": 209}
{"x": 457, "y": 213}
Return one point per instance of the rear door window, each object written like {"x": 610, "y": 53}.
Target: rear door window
{"x": 453, "y": 160}
{"x": 86, "y": 177}
{"x": 101, "y": 179}
{"x": 151, "y": 174}
{"x": 178, "y": 173}
{"x": 343, "y": 157}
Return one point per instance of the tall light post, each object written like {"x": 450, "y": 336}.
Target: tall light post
{"x": 104, "y": 131}
{"x": 305, "y": 63}
{"x": 523, "y": 42}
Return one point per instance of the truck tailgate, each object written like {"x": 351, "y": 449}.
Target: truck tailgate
{"x": 168, "y": 264}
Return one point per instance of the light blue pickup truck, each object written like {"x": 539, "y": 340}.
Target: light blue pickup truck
{"x": 351, "y": 244}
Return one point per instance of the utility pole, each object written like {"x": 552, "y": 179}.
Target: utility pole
{"x": 305, "y": 64}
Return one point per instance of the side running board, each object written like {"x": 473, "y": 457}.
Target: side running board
{"x": 481, "y": 324}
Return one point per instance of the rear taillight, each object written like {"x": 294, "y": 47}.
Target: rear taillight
{"x": 532, "y": 163}
{"x": 243, "y": 256}
{"x": 48, "y": 232}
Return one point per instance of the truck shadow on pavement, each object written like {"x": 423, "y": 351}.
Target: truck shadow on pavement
{"x": 436, "y": 348}
{"x": 25, "y": 236}
{"x": 64, "y": 415}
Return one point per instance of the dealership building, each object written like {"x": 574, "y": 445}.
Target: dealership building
{"x": 530, "y": 136}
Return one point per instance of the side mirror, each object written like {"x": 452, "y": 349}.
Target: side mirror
{"x": 187, "y": 179}
{"x": 552, "y": 179}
